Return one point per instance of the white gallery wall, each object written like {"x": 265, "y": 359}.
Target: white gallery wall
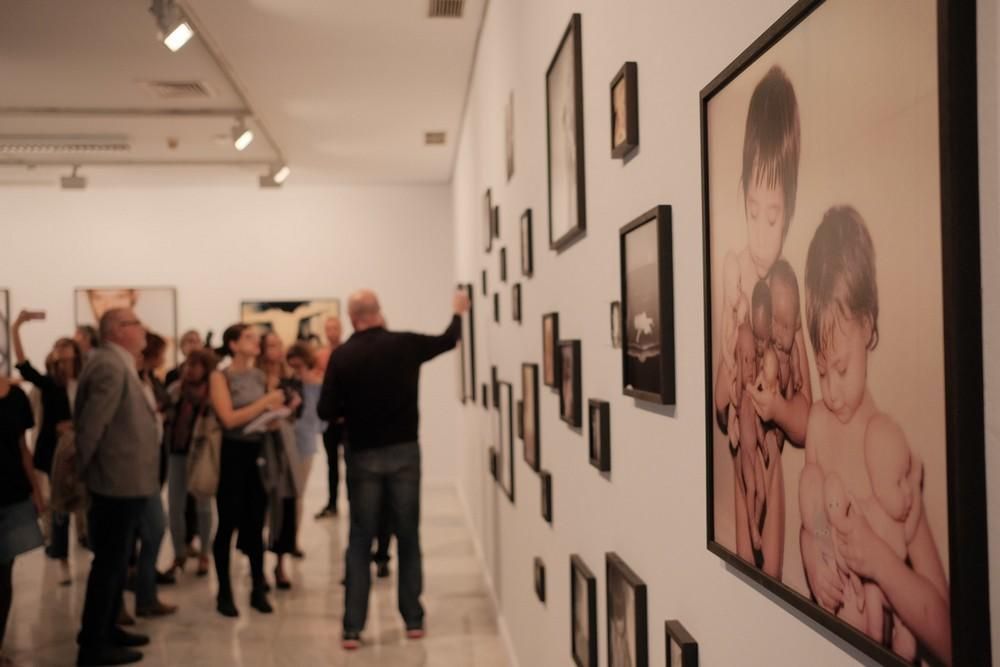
{"x": 651, "y": 509}
{"x": 222, "y": 244}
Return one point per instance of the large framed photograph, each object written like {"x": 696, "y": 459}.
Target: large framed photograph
{"x": 292, "y": 319}
{"x": 156, "y": 308}
{"x": 682, "y": 649}
{"x": 550, "y": 350}
{"x": 600, "y": 434}
{"x": 505, "y": 437}
{"x": 564, "y": 106}
{"x": 844, "y": 267}
{"x": 628, "y": 644}
{"x": 571, "y": 385}
{"x": 467, "y": 348}
{"x": 487, "y": 220}
{"x": 583, "y": 613}
{"x": 647, "y": 284}
{"x": 527, "y": 245}
{"x": 529, "y": 418}
{"x": 5, "y": 365}
{"x": 625, "y": 110}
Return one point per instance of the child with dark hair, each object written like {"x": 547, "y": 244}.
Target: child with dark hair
{"x": 880, "y": 528}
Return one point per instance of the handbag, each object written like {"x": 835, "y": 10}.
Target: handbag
{"x": 69, "y": 493}
{"x": 204, "y": 458}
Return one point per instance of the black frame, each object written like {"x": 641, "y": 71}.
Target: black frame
{"x": 493, "y": 385}
{"x": 485, "y": 400}
{"x": 962, "y": 319}
{"x": 5, "y": 300}
{"x": 482, "y": 278}
{"x": 509, "y": 136}
{"x": 508, "y": 484}
{"x": 616, "y": 317}
{"x": 527, "y": 242}
{"x": 519, "y": 419}
{"x": 614, "y": 562}
{"x": 496, "y": 307}
{"x": 674, "y": 633}
{"x": 495, "y": 221}
{"x": 556, "y": 366}
{"x": 660, "y": 216}
{"x": 515, "y": 302}
{"x": 503, "y": 264}
{"x": 493, "y": 464}
{"x": 488, "y": 219}
{"x": 546, "y": 478}
{"x": 468, "y": 371}
{"x": 576, "y": 420}
{"x": 574, "y": 29}
{"x": 177, "y": 346}
{"x": 529, "y": 378}
{"x": 539, "y": 579}
{"x": 603, "y": 459}
{"x": 629, "y": 73}
{"x": 576, "y": 564}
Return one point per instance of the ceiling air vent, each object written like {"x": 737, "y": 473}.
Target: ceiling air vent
{"x": 434, "y": 138}
{"x": 446, "y": 9}
{"x": 62, "y": 144}
{"x": 177, "y": 90}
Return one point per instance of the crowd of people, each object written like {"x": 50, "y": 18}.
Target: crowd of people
{"x": 234, "y": 429}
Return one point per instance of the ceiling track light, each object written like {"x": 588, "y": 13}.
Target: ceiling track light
{"x": 73, "y": 182}
{"x": 275, "y": 177}
{"x": 242, "y": 135}
{"x": 175, "y": 30}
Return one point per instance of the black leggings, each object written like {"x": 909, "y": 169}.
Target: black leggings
{"x": 242, "y": 505}
{"x": 6, "y": 595}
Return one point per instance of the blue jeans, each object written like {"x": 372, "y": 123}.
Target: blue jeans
{"x": 152, "y": 525}
{"x": 384, "y": 476}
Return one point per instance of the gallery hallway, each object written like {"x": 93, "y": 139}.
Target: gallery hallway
{"x": 305, "y": 628}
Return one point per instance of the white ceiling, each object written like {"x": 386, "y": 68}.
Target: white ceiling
{"x": 345, "y": 89}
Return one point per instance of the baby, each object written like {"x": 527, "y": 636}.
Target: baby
{"x": 746, "y": 435}
{"x": 785, "y": 324}
{"x": 734, "y": 310}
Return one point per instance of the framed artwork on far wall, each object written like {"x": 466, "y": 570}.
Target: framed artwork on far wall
{"x": 531, "y": 421}
{"x": 503, "y": 264}
{"x": 493, "y": 463}
{"x": 527, "y": 245}
{"x": 155, "y": 307}
{"x": 467, "y": 348}
{"x": 570, "y": 385}
{"x": 487, "y": 221}
{"x": 583, "y": 613}
{"x": 539, "y": 569}
{"x": 505, "y": 438}
{"x": 486, "y": 395}
{"x": 550, "y": 350}
{"x": 625, "y": 110}
{"x": 508, "y": 125}
{"x": 546, "y": 478}
{"x": 682, "y": 649}
{"x": 564, "y": 107}
{"x": 515, "y": 302}
{"x": 841, "y": 206}
{"x": 628, "y": 644}
{"x": 482, "y": 282}
{"x": 519, "y": 420}
{"x": 496, "y": 307}
{"x": 616, "y": 324}
{"x": 5, "y": 362}
{"x": 495, "y": 221}
{"x": 292, "y": 319}
{"x": 647, "y": 284}
{"x": 600, "y": 434}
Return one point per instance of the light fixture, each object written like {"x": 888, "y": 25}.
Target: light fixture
{"x": 275, "y": 177}
{"x": 174, "y": 30}
{"x": 242, "y": 135}
{"x": 73, "y": 182}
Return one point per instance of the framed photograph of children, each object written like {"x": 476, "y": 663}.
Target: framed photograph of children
{"x": 616, "y": 324}
{"x": 503, "y": 265}
{"x": 647, "y": 284}
{"x": 539, "y": 579}
{"x": 843, "y": 267}
{"x": 527, "y": 245}
{"x": 467, "y": 348}
{"x": 546, "y": 477}
{"x": 487, "y": 221}
{"x": 682, "y": 649}
{"x": 496, "y": 307}
{"x": 529, "y": 393}
{"x": 515, "y": 302}
{"x": 625, "y": 110}
{"x": 155, "y": 307}
{"x": 505, "y": 438}
{"x": 550, "y": 351}
{"x": 627, "y": 630}
{"x": 5, "y": 365}
{"x": 583, "y": 613}
{"x": 564, "y": 106}
{"x": 570, "y": 399}
{"x": 600, "y": 434}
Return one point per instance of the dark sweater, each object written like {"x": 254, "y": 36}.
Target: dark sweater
{"x": 55, "y": 408}
{"x": 372, "y": 381}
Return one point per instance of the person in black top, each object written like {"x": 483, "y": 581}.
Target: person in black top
{"x": 372, "y": 382}
{"x": 18, "y": 490}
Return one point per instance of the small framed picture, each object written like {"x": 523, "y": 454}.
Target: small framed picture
{"x": 494, "y": 380}
{"x": 527, "y": 245}
{"x": 616, "y": 324}
{"x": 600, "y": 434}
{"x": 647, "y": 283}
{"x": 625, "y": 110}
{"x": 519, "y": 417}
{"x": 503, "y": 264}
{"x": 682, "y": 649}
{"x": 546, "y": 495}
{"x": 486, "y": 404}
{"x": 505, "y": 438}
{"x": 495, "y": 221}
{"x": 508, "y": 124}
{"x": 570, "y": 401}
{"x": 487, "y": 223}
{"x": 482, "y": 279}
{"x": 515, "y": 302}
{"x": 540, "y": 579}
{"x": 496, "y": 307}
{"x": 627, "y": 640}
{"x": 493, "y": 462}
{"x": 583, "y": 613}
{"x": 530, "y": 420}
{"x": 550, "y": 351}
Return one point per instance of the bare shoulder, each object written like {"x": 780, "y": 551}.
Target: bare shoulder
{"x": 819, "y": 431}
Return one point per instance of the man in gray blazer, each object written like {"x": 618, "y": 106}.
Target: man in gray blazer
{"x": 119, "y": 459}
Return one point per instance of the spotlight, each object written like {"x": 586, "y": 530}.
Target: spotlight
{"x": 275, "y": 177}
{"x": 174, "y": 30}
{"x": 73, "y": 182}
{"x": 242, "y": 135}
{"x": 179, "y": 36}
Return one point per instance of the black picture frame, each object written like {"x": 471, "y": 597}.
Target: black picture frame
{"x": 681, "y": 648}
{"x": 571, "y": 406}
{"x": 487, "y": 220}
{"x": 582, "y": 584}
{"x": 961, "y": 316}
{"x": 570, "y": 47}
{"x": 494, "y": 380}
{"x": 493, "y": 464}
{"x": 616, "y": 324}
{"x": 503, "y": 264}
{"x": 599, "y": 436}
{"x": 515, "y": 302}
{"x": 467, "y": 347}
{"x": 508, "y": 117}
{"x": 505, "y": 438}
{"x": 531, "y": 422}
{"x": 496, "y": 307}
{"x": 539, "y": 572}
{"x": 485, "y": 395}
{"x": 624, "y": 90}
{"x": 550, "y": 350}
{"x": 617, "y": 572}
{"x": 495, "y": 221}
{"x": 482, "y": 281}
{"x": 546, "y": 481}
{"x": 527, "y": 245}
{"x": 519, "y": 420}
{"x": 653, "y": 336}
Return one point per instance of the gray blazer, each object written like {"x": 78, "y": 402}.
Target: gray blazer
{"x": 116, "y": 430}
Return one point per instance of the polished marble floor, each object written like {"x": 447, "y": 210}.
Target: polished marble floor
{"x": 305, "y": 628}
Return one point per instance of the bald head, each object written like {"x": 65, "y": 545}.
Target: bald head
{"x": 364, "y": 310}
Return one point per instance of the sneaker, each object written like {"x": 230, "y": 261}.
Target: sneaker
{"x": 351, "y": 641}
